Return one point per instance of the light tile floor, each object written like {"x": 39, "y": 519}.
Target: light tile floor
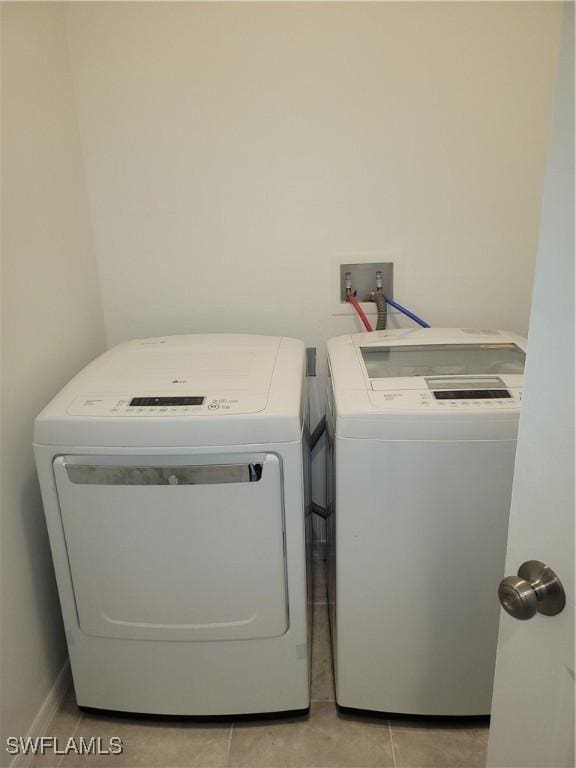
{"x": 325, "y": 738}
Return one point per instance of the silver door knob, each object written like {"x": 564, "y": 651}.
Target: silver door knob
{"x": 536, "y": 589}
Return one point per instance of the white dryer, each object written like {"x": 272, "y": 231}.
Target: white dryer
{"x": 422, "y": 428}
{"x": 174, "y": 474}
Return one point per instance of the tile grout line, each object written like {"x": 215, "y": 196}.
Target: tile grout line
{"x": 229, "y": 746}
{"x": 392, "y": 744}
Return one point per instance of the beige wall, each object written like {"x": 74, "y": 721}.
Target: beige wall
{"x": 52, "y": 325}
{"x": 234, "y": 150}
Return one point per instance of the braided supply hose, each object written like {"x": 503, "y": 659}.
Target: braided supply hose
{"x": 380, "y": 300}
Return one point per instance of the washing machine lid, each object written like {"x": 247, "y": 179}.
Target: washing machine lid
{"x": 435, "y": 373}
{"x": 209, "y": 389}
{"x": 384, "y": 363}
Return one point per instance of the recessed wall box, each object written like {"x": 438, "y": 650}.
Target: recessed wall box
{"x": 364, "y": 279}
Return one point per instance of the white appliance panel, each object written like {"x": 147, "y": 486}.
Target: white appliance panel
{"x": 153, "y": 557}
{"x": 222, "y": 362}
{"x": 420, "y": 545}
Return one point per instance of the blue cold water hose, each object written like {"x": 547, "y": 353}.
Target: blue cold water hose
{"x": 407, "y": 312}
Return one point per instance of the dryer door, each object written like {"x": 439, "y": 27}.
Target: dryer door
{"x": 164, "y": 549}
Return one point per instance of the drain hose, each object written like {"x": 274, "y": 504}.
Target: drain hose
{"x": 380, "y": 300}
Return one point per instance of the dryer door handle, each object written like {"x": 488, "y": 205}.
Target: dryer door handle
{"x": 197, "y": 474}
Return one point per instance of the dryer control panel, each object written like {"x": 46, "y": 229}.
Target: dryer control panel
{"x": 143, "y": 405}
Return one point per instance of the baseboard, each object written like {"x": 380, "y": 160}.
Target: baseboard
{"x": 45, "y": 714}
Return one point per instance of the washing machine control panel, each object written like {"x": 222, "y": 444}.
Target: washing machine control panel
{"x": 140, "y": 405}
{"x": 442, "y": 400}
{"x": 482, "y": 398}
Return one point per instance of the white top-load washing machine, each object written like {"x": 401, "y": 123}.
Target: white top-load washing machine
{"x": 174, "y": 475}
{"x": 422, "y": 428}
